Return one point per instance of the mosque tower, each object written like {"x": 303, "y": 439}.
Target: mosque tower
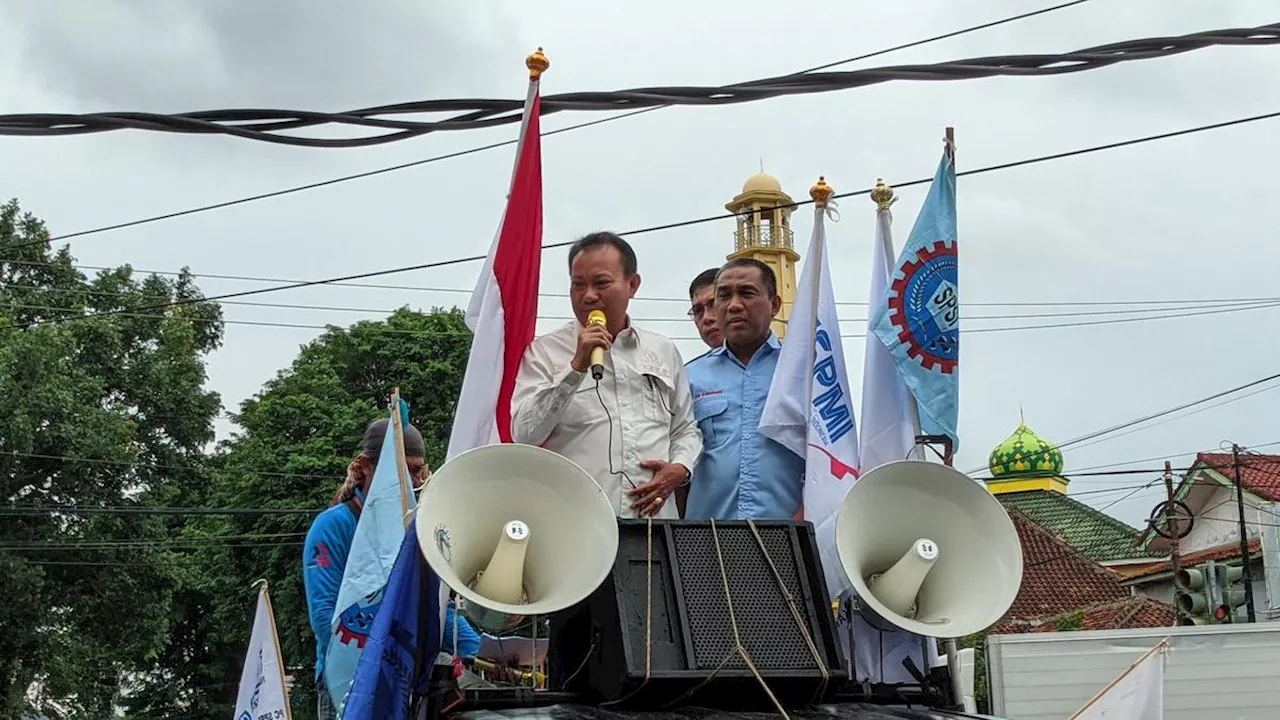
{"x": 763, "y": 213}
{"x": 1025, "y": 462}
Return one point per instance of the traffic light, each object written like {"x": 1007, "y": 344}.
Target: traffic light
{"x": 1193, "y": 596}
{"x": 1231, "y": 596}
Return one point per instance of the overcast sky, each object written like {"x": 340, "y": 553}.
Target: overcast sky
{"x": 1187, "y": 218}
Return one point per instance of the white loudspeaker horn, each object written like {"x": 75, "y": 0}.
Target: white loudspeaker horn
{"x": 928, "y": 550}
{"x": 516, "y": 530}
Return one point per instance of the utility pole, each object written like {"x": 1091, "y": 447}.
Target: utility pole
{"x": 1171, "y": 520}
{"x": 1244, "y": 536}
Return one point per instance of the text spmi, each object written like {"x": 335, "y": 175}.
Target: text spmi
{"x": 832, "y": 403}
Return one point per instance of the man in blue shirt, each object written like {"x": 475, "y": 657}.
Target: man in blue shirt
{"x": 329, "y": 540}
{"x": 741, "y": 474}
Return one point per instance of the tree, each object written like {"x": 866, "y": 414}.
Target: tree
{"x": 295, "y": 440}
{"x": 98, "y": 412}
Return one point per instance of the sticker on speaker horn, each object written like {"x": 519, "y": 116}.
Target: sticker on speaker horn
{"x": 443, "y": 544}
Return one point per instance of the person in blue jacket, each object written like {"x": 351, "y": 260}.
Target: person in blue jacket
{"x": 329, "y": 540}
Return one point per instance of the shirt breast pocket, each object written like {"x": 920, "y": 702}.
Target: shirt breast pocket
{"x": 586, "y": 408}
{"x": 709, "y": 412}
{"x": 657, "y": 399}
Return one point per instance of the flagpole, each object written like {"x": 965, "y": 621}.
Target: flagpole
{"x": 1160, "y": 645}
{"x": 275, "y": 637}
{"x": 884, "y": 197}
{"x": 402, "y": 465}
{"x": 537, "y": 63}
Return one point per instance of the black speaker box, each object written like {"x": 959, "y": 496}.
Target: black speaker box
{"x": 598, "y": 647}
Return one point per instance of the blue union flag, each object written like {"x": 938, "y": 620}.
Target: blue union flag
{"x": 919, "y": 319}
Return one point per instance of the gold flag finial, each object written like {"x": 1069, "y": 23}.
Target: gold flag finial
{"x": 537, "y": 64}
{"x": 883, "y": 195}
{"x": 821, "y": 192}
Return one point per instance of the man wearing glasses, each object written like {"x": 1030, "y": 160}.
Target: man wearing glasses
{"x": 702, "y": 295}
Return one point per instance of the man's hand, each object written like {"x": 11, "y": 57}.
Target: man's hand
{"x": 652, "y": 495}
{"x": 589, "y": 338}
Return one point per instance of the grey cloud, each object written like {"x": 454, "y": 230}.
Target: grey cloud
{"x": 185, "y": 56}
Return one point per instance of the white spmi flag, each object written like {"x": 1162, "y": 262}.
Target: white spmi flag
{"x": 888, "y": 434}
{"x": 262, "y": 694}
{"x": 1138, "y": 694}
{"x": 888, "y": 430}
{"x": 809, "y": 409}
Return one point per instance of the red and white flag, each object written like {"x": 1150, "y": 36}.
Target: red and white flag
{"x": 503, "y": 311}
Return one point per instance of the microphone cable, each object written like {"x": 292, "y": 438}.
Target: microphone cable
{"x": 609, "y": 417}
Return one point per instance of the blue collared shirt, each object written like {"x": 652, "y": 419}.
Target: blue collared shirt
{"x": 741, "y": 474}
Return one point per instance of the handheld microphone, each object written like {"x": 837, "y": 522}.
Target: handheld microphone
{"x": 596, "y": 317}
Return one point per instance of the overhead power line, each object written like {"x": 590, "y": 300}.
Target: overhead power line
{"x": 1182, "y": 301}
{"x": 683, "y": 223}
{"x": 1153, "y": 416}
{"x": 1243, "y": 304}
{"x": 126, "y": 313}
{"x": 1174, "y": 418}
{"x": 1170, "y": 411}
{"x": 267, "y": 125}
{"x": 28, "y": 510}
{"x": 548, "y": 133}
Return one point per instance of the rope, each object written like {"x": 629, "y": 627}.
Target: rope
{"x": 738, "y": 648}
{"x": 795, "y": 611}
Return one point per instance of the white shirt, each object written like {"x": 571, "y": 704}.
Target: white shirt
{"x": 649, "y": 416}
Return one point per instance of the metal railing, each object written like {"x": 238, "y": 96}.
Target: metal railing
{"x": 767, "y": 236}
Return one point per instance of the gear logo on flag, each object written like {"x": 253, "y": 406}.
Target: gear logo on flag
{"x": 356, "y": 621}
{"x": 924, "y": 306}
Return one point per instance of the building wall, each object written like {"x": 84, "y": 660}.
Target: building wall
{"x": 1217, "y": 522}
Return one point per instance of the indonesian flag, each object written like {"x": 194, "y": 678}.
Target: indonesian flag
{"x": 809, "y": 409}
{"x": 504, "y": 307}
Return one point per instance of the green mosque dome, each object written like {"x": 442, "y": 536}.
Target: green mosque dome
{"x": 1025, "y": 455}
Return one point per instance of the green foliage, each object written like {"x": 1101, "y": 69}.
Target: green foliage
{"x": 107, "y": 411}
{"x": 981, "y": 681}
{"x": 1068, "y": 622}
{"x": 150, "y": 614}
{"x": 295, "y": 440}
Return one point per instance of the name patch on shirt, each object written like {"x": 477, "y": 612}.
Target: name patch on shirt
{"x": 707, "y": 394}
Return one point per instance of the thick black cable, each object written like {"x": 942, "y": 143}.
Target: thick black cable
{"x": 265, "y": 124}
{"x": 667, "y": 226}
{"x": 513, "y": 141}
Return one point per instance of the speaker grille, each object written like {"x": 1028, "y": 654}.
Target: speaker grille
{"x": 765, "y": 622}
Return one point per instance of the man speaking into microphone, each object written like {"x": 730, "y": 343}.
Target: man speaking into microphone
{"x": 607, "y": 395}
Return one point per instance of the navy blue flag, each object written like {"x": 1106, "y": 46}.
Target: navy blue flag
{"x": 384, "y": 679}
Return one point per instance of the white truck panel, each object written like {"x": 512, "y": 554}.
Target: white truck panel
{"x": 1213, "y": 672}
